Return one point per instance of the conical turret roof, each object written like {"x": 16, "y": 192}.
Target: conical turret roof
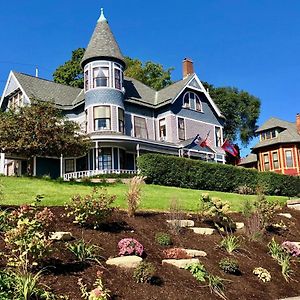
{"x": 102, "y": 44}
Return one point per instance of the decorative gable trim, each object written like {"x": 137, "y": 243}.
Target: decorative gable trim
{"x": 201, "y": 89}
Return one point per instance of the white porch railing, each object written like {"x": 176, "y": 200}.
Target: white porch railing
{"x": 90, "y": 173}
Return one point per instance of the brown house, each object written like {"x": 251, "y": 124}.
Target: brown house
{"x": 278, "y": 149}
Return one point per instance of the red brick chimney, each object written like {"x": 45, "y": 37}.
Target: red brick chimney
{"x": 298, "y": 123}
{"x": 187, "y": 67}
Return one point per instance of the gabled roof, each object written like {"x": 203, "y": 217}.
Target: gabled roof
{"x": 102, "y": 43}
{"x": 288, "y": 134}
{"x": 249, "y": 159}
{"x": 45, "y": 90}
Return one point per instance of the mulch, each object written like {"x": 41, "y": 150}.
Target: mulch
{"x": 62, "y": 272}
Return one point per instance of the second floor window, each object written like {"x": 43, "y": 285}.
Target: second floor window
{"x": 181, "y": 129}
{"x": 162, "y": 129}
{"x": 102, "y": 118}
{"x": 121, "y": 120}
{"x": 275, "y": 160}
{"x": 140, "y": 128}
{"x": 118, "y": 78}
{"x": 86, "y": 80}
{"x": 192, "y": 100}
{"x": 289, "y": 159}
{"x": 266, "y": 162}
{"x": 218, "y": 136}
{"x": 100, "y": 76}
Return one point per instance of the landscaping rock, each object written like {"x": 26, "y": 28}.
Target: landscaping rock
{"x": 194, "y": 253}
{"x": 180, "y": 263}
{"x": 286, "y": 215}
{"x": 294, "y": 204}
{"x": 130, "y": 261}
{"x": 203, "y": 230}
{"x": 181, "y": 223}
{"x": 240, "y": 226}
{"x": 61, "y": 236}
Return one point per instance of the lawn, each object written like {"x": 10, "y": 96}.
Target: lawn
{"x": 19, "y": 190}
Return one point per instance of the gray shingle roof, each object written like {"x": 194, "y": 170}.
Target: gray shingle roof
{"x": 102, "y": 44}
{"x": 250, "y": 158}
{"x": 288, "y": 134}
{"x": 46, "y": 90}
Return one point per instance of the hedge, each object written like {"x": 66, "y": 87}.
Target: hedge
{"x": 196, "y": 174}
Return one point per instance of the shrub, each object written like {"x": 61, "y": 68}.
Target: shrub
{"x": 230, "y": 243}
{"x": 175, "y": 253}
{"x": 229, "y": 265}
{"x": 92, "y": 209}
{"x": 247, "y": 208}
{"x": 83, "y": 251}
{"x": 262, "y": 274}
{"x": 98, "y": 293}
{"x": 4, "y": 221}
{"x": 144, "y": 272}
{"x": 198, "y": 271}
{"x": 134, "y": 194}
{"x": 218, "y": 210}
{"x": 244, "y": 190}
{"x": 291, "y": 248}
{"x": 130, "y": 246}
{"x": 163, "y": 239}
{"x": 196, "y": 174}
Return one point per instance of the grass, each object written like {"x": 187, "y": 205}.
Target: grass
{"x": 20, "y": 190}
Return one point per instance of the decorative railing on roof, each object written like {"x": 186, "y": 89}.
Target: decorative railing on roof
{"x": 91, "y": 173}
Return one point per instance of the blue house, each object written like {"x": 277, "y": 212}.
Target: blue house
{"x": 123, "y": 117}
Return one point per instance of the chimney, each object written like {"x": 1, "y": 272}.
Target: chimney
{"x": 187, "y": 67}
{"x": 298, "y": 123}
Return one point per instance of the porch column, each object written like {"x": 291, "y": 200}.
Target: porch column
{"x": 61, "y": 166}
{"x": 96, "y": 156}
{"x": 138, "y": 150}
{"x": 34, "y": 166}
{"x": 2, "y": 163}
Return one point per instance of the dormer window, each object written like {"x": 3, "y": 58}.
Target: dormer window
{"x": 192, "y": 100}
{"x": 16, "y": 100}
{"x": 267, "y": 135}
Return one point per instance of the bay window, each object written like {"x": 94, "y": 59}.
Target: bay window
{"x": 102, "y": 118}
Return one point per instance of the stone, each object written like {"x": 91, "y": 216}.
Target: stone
{"x": 286, "y": 215}
{"x": 203, "y": 230}
{"x": 293, "y": 201}
{"x": 181, "y": 223}
{"x": 294, "y": 206}
{"x": 61, "y": 236}
{"x": 180, "y": 263}
{"x": 195, "y": 253}
{"x": 129, "y": 261}
{"x": 239, "y": 226}
{"x": 291, "y": 298}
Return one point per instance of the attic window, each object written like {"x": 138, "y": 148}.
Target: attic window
{"x": 267, "y": 135}
{"x": 191, "y": 100}
{"x": 15, "y": 100}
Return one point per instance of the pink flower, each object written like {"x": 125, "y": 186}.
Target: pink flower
{"x": 130, "y": 246}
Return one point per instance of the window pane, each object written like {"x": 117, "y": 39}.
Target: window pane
{"x": 86, "y": 80}
{"x": 162, "y": 128}
{"x": 198, "y": 104}
{"x": 275, "y": 160}
{"x": 121, "y": 119}
{"x": 105, "y": 158}
{"x": 117, "y": 79}
{"x": 289, "y": 159}
{"x": 100, "y": 76}
{"x": 186, "y": 100}
{"x": 102, "y": 112}
{"x": 140, "y": 128}
{"x": 266, "y": 162}
{"x": 181, "y": 129}
{"x": 69, "y": 165}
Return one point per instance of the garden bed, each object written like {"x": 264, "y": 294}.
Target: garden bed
{"x": 62, "y": 272}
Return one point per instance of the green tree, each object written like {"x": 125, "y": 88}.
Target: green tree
{"x": 71, "y": 73}
{"x": 152, "y": 74}
{"x": 39, "y": 129}
{"x": 240, "y": 109}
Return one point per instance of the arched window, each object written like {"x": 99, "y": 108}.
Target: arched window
{"x": 192, "y": 100}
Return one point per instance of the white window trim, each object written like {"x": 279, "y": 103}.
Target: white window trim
{"x": 284, "y": 151}
{"x": 184, "y": 122}
{"x": 110, "y": 107}
{"x": 189, "y": 106}
{"x": 159, "y": 137}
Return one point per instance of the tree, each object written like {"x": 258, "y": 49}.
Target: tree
{"x": 71, "y": 73}
{"x": 152, "y": 74}
{"x": 39, "y": 129}
{"x": 240, "y": 109}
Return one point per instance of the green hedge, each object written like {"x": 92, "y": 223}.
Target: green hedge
{"x": 196, "y": 174}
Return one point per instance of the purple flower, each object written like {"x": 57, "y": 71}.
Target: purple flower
{"x": 130, "y": 246}
{"x": 291, "y": 248}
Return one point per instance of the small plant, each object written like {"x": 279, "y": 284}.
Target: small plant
{"x": 144, "y": 272}
{"x": 247, "y": 208}
{"x": 230, "y": 243}
{"x": 175, "y": 215}
{"x": 134, "y": 194}
{"x": 216, "y": 285}
{"x": 83, "y": 251}
{"x": 175, "y": 253}
{"x": 198, "y": 271}
{"x": 4, "y": 221}
{"x": 98, "y": 293}
{"x": 262, "y": 274}
{"x": 244, "y": 190}
{"x": 130, "y": 246}
{"x": 163, "y": 239}
{"x": 92, "y": 209}
{"x": 229, "y": 265}
{"x": 218, "y": 210}
{"x": 291, "y": 248}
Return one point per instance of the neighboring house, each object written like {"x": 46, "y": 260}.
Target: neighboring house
{"x": 278, "y": 149}
{"x": 123, "y": 117}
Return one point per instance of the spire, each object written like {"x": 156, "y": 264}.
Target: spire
{"x": 103, "y": 44}
{"x": 102, "y": 17}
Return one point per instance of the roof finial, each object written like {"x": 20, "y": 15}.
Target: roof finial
{"x": 102, "y": 18}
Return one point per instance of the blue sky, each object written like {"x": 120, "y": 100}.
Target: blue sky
{"x": 253, "y": 45}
